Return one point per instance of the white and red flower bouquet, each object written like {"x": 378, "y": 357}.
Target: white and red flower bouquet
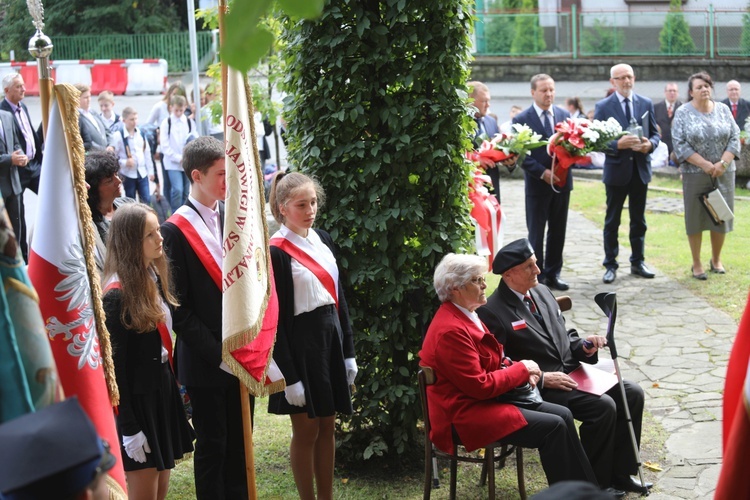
{"x": 574, "y": 138}
{"x": 501, "y": 147}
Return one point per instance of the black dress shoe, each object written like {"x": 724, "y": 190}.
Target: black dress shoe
{"x": 629, "y": 483}
{"x": 557, "y": 283}
{"x": 641, "y": 270}
{"x": 614, "y": 492}
{"x": 610, "y": 275}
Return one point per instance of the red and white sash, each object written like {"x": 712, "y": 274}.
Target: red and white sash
{"x": 166, "y": 338}
{"x": 306, "y": 254}
{"x": 201, "y": 240}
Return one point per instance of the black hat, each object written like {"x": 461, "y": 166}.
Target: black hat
{"x": 52, "y": 453}
{"x": 514, "y": 253}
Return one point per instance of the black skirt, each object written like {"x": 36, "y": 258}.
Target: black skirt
{"x": 162, "y": 419}
{"x": 318, "y": 356}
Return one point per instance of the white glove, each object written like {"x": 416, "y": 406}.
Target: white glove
{"x": 351, "y": 370}
{"x": 136, "y": 446}
{"x": 295, "y": 394}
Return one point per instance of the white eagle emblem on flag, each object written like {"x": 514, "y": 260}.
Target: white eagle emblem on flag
{"x": 75, "y": 289}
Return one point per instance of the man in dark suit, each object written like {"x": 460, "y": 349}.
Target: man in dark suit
{"x": 192, "y": 240}
{"x": 526, "y": 320}
{"x": 95, "y": 134}
{"x": 545, "y": 207}
{"x": 11, "y": 158}
{"x": 627, "y": 169}
{"x": 664, "y": 112}
{"x": 29, "y": 138}
{"x": 486, "y": 129}
{"x": 739, "y": 106}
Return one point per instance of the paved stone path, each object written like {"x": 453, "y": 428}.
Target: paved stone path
{"x": 674, "y": 344}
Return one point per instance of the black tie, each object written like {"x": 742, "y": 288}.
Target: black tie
{"x": 547, "y": 124}
{"x": 532, "y": 307}
{"x": 628, "y": 115}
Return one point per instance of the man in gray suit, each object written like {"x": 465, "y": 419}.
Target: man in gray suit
{"x": 29, "y": 138}
{"x": 12, "y": 157}
{"x": 94, "y": 132}
{"x": 664, "y": 112}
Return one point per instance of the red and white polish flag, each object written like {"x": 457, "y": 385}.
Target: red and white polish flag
{"x": 57, "y": 269}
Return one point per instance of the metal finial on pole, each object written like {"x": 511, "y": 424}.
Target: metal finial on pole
{"x": 40, "y": 47}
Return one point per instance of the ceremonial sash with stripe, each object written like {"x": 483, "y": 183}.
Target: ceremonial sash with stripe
{"x": 166, "y": 338}
{"x": 201, "y": 240}
{"x": 311, "y": 263}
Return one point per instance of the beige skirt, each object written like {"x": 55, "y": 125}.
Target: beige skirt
{"x": 696, "y": 218}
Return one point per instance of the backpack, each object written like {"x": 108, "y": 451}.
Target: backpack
{"x": 169, "y": 126}
{"x": 150, "y": 133}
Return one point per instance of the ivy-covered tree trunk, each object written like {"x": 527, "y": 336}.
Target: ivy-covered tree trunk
{"x": 377, "y": 111}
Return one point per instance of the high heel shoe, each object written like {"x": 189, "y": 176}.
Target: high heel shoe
{"x": 701, "y": 276}
{"x": 717, "y": 270}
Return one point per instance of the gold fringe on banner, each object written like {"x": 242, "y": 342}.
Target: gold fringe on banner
{"x": 67, "y": 98}
{"x": 241, "y": 339}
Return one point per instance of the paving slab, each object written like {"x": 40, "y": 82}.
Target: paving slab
{"x": 671, "y": 342}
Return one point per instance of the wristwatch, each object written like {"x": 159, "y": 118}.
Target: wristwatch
{"x": 724, "y": 164}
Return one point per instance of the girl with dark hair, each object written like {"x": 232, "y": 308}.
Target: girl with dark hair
{"x": 103, "y": 196}
{"x": 151, "y": 422}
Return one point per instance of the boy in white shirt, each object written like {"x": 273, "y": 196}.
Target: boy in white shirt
{"x": 134, "y": 155}
{"x": 111, "y": 119}
{"x": 174, "y": 132}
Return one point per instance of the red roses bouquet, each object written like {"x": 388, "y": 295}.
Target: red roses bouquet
{"x": 574, "y": 138}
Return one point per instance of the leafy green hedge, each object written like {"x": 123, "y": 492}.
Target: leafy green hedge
{"x": 377, "y": 111}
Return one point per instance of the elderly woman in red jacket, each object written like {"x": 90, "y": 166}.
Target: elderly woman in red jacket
{"x": 472, "y": 375}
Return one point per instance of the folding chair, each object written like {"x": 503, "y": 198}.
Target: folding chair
{"x": 426, "y": 377}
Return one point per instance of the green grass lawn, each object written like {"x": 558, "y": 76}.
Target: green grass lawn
{"x": 667, "y": 247}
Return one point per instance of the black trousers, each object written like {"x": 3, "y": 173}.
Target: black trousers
{"x": 16, "y": 214}
{"x": 604, "y": 429}
{"x": 636, "y": 192}
{"x": 219, "y": 459}
{"x": 548, "y": 211}
{"x": 494, "y": 174}
{"x": 552, "y": 430}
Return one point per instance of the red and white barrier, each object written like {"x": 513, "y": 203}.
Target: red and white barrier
{"x": 119, "y": 76}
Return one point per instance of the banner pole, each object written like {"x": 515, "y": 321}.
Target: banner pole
{"x": 247, "y": 417}
{"x": 40, "y": 47}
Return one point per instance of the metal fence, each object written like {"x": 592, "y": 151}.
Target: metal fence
{"x": 174, "y": 47}
{"x": 575, "y": 34}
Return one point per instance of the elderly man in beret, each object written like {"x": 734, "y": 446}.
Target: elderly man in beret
{"x": 524, "y": 317}
{"x": 53, "y": 453}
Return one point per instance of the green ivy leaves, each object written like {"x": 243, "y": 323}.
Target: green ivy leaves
{"x": 245, "y": 40}
{"x": 376, "y": 111}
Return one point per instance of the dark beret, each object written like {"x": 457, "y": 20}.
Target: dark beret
{"x": 514, "y": 253}
{"x": 51, "y": 453}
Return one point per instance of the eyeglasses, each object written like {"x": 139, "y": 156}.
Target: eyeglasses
{"x": 478, "y": 280}
{"x": 624, "y": 77}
